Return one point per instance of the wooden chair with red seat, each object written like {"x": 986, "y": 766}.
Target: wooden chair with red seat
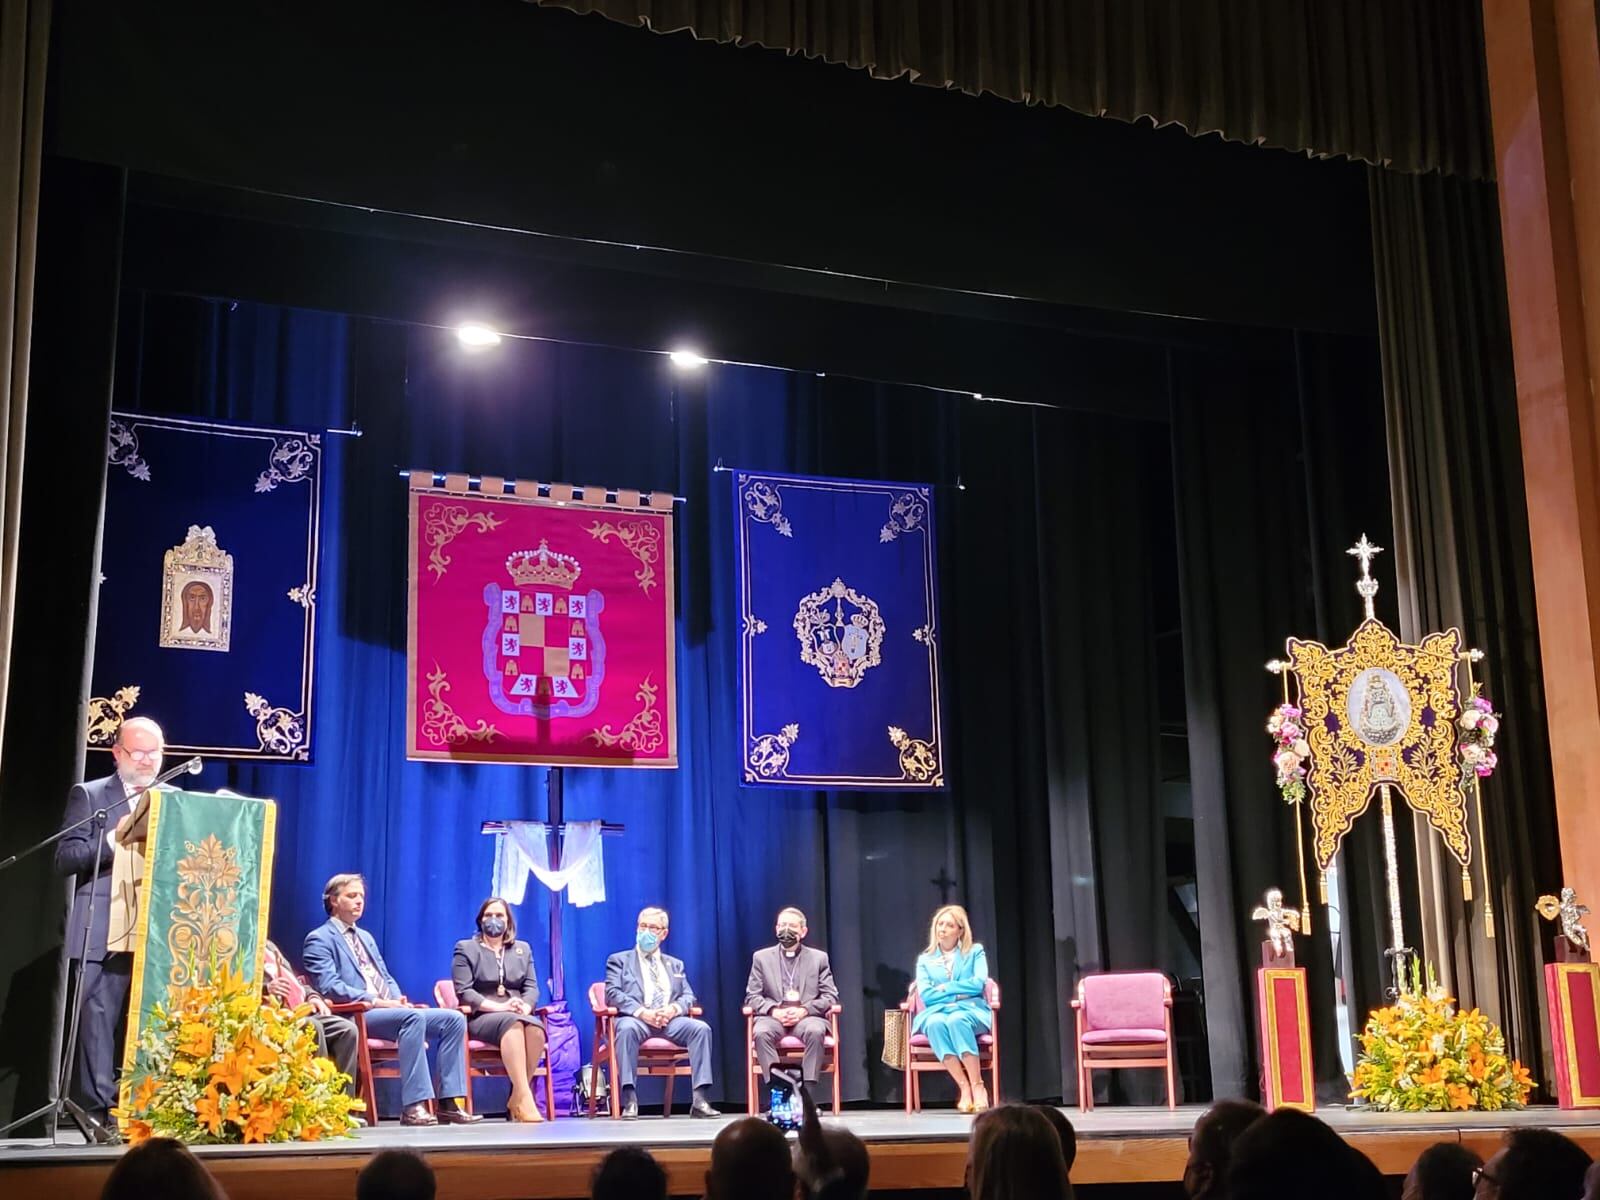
{"x": 1124, "y": 1021}
{"x": 790, "y": 1051}
{"x": 657, "y": 1055}
{"x": 377, "y": 1058}
{"x": 920, "y": 1056}
{"x": 483, "y": 1058}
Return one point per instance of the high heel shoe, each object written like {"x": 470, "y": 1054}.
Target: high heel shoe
{"x": 525, "y": 1111}
{"x": 980, "y": 1100}
{"x": 965, "y": 1105}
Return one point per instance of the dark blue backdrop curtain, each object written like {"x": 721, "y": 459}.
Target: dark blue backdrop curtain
{"x": 869, "y": 869}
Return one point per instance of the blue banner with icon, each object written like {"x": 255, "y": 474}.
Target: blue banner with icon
{"x": 208, "y": 586}
{"x": 839, "y": 633}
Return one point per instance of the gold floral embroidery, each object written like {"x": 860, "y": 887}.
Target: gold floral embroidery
{"x": 441, "y": 725}
{"x": 641, "y": 735}
{"x": 1345, "y": 769}
{"x": 918, "y": 762}
{"x": 642, "y": 539}
{"x": 769, "y": 757}
{"x": 107, "y": 712}
{"x": 442, "y": 524}
{"x": 204, "y": 917}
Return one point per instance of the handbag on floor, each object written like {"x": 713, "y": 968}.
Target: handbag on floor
{"x": 894, "y": 1038}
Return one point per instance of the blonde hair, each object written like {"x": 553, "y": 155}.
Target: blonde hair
{"x": 960, "y": 916}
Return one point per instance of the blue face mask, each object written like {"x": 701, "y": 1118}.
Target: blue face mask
{"x": 648, "y": 942}
{"x": 494, "y": 926}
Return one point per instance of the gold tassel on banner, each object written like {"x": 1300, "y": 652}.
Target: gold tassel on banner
{"x": 1466, "y": 885}
{"x": 1322, "y": 887}
{"x": 1488, "y": 919}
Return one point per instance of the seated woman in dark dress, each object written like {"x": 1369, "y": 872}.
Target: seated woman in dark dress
{"x": 495, "y": 977}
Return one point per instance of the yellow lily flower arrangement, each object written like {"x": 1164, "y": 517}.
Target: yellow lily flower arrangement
{"x": 1422, "y": 1055}
{"x": 221, "y": 1063}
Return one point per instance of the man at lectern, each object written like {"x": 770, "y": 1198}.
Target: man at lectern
{"x": 103, "y": 973}
{"x": 345, "y": 965}
{"x": 791, "y": 989}
{"x": 651, "y": 991}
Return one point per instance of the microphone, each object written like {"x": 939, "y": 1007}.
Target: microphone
{"x": 193, "y": 765}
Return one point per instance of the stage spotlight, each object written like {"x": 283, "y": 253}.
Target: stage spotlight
{"x": 687, "y": 360}
{"x": 475, "y": 336}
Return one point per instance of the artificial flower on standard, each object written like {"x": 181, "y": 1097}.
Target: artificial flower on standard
{"x": 1479, "y": 723}
{"x": 1421, "y": 1054}
{"x": 1289, "y": 758}
{"x": 221, "y": 1064}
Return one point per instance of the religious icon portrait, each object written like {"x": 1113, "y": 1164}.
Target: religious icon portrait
{"x": 197, "y": 593}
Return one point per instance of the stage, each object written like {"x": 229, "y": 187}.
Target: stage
{"x": 497, "y": 1161}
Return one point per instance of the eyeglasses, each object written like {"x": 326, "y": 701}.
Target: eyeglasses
{"x": 652, "y": 928}
{"x": 141, "y": 754}
{"x": 1483, "y": 1173}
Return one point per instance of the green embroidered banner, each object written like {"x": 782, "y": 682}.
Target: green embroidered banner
{"x": 204, "y": 891}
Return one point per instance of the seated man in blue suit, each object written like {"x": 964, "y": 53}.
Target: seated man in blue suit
{"x": 345, "y": 966}
{"x": 653, "y": 995}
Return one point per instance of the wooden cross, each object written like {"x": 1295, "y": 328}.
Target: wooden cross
{"x": 944, "y": 883}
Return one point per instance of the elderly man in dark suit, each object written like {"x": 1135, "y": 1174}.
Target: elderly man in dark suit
{"x": 103, "y": 975}
{"x": 651, "y": 992}
{"x": 791, "y": 989}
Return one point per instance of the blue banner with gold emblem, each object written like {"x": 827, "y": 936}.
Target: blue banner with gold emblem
{"x": 208, "y": 591}
{"x": 838, "y": 639}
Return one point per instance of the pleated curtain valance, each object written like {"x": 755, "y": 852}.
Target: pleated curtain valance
{"x": 1396, "y": 83}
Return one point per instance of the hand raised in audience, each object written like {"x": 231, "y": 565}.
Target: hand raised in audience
{"x": 280, "y": 988}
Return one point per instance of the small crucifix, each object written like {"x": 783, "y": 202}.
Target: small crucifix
{"x": 944, "y": 883}
{"x": 1366, "y": 586}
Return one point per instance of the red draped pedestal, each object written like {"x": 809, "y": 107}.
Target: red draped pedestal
{"x": 1572, "y": 991}
{"x": 1287, "y": 1079}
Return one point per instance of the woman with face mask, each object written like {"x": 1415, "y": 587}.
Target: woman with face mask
{"x": 496, "y": 982}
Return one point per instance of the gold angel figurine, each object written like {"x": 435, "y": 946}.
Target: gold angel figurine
{"x": 1571, "y": 914}
{"x": 1282, "y": 923}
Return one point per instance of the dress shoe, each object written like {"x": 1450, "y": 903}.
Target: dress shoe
{"x": 701, "y": 1109}
{"x": 451, "y": 1112}
{"x": 418, "y": 1114}
{"x": 100, "y": 1130}
{"x": 630, "y": 1108}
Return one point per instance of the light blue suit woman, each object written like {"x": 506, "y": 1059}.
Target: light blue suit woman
{"x": 951, "y": 975}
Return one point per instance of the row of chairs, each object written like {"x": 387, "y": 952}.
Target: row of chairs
{"x": 1124, "y": 1020}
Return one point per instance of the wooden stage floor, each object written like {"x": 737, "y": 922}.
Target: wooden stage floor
{"x": 497, "y": 1161}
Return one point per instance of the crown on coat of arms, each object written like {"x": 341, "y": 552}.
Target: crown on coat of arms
{"x": 544, "y": 565}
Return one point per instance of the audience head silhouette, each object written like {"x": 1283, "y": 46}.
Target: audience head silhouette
{"x": 1015, "y": 1154}
{"x": 628, "y": 1173}
{"x": 161, "y": 1167}
{"x": 1205, "y": 1175}
{"x": 1442, "y": 1172}
{"x": 395, "y": 1175}
{"x": 1291, "y": 1154}
{"x": 750, "y": 1160}
{"x": 1534, "y": 1164}
{"x": 848, "y": 1168}
{"x": 1064, "y": 1131}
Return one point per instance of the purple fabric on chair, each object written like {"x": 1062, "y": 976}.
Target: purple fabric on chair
{"x": 1111, "y": 1037}
{"x": 1132, "y": 1000}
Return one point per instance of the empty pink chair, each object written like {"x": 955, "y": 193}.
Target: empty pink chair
{"x": 1124, "y": 1020}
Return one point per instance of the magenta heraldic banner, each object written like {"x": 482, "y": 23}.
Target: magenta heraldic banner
{"x": 541, "y": 627}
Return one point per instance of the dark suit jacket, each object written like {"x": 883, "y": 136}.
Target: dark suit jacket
{"x": 625, "y": 990}
{"x": 333, "y": 969}
{"x": 84, "y": 853}
{"x": 476, "y": 974}
{"x": 813, "y": 980}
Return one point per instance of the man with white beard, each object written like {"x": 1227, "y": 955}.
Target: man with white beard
{"x": 88, "y": 853}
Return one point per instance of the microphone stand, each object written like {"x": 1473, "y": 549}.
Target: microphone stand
{"x": 91, "y": 1129}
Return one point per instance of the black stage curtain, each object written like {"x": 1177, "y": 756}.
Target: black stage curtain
{"x": 1394, "y": 84}
{"x": 1261, "y": 551}
{"x": 1463, "y": 558}
{"x": 74, "y": 331}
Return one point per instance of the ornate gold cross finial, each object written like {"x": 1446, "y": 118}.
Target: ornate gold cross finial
{"x": 1366, "y": 586}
